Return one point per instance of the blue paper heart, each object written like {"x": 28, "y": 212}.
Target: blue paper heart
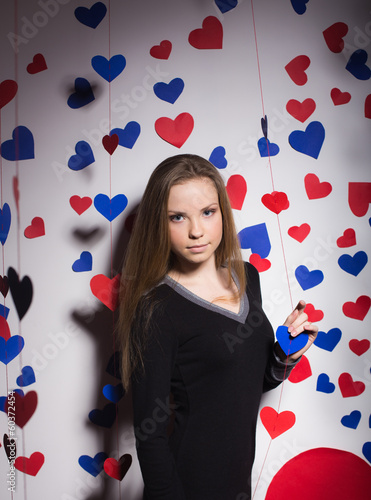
{"x": 308, "y": 142}
{"x": 299, "y": 6}
{"x": 217, "y": 157}
{"x": 366, "y": 450}
{"x": 289, "y": 344}
{"x": 10, "y": 348}
{"x": 84, "y": 156}
{"x": 110, "y": 209}
{"x": 83, "y": 94}
{"x": 127, "y": 136}
{"x": 21, "y": 147}
{"x": 91, "y": 17}
{"x": 27, "y": 377}
{"x": 352, "y": 420}
{"x": 264, "y": 145}
{"x": 353, "y": 265}
{"x": 4, "y": 311}
{"x": 109, "y": 69}
{"x": 256, "y": 238}
{"x": 329, "y": 340}
{"x": 3, "y": 399}
{"x": 5, "y": 220}
{"x": 105, "y": 417}
{"x": 226, "y": 5}
{"x": 324, "y": 384}
{"x": 113, "y": 393}
{"x": 357, "y": 65}
{"x": 308, "y": 279}
{"x": 169, "y": 92}
{"x": 93, "y": 466}
{"x": 84, "y": 263}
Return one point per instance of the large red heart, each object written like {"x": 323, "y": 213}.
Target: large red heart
{"x": 348, "y": 387}
{"x": 110, "y": 143}
{"x": 357, "y": 309}
{"x": 314, "y": 315}
{"x": 368, "y": 106}
{"x": 359, "y": 347}
{"x": 276, "y": 201}
{"x": 177, "y": 131}
{"x": 30, "y": 465}
{"x": 38, "y": 64}
{"x": 210, "y": 36}
{"x": 359, "y": 197}
{"x": 106, "y": 290}
{"x": 301, "y": 371}
{"x": 161, "y": 51}
{"x": 80, "y": 204}
{"x": 276, "y": 423}
{"x": 4, "y": 328}
{"x": 118, "y": 468}
{"x": 8, "y": 89}
{"x": 299, "y": 233}
{"x": 338, "y": 97}
{"x": 36, "y": 229}
{"x": 236, "y": 189}
{"x": 23, "y": 408}
{"x": 260, "y": 264}
{"x": 296, "y": 69}
{"x": 301, "y": 110}
{"x": 348, "y": 239}
{"x": 334, "y": 35}
{"x": 316, "y": 189}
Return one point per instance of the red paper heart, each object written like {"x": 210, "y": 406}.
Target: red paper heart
{"x": 334, "y": 35}
{"x": 4, "y": 328}
{"x": 36, "y": 229}
{"x": 210, "y": 36}
{"x": 24, "y": 407}
{"x": 236, "y": 189}
{"x": 4, "y": 285}
{"x": 106, "y": 290}
{"x": 110, "y": 143}
{"x": 80, "y": 205}
{"x": 30, "y": 465}
{"x": 299, "y": 233}
{"x": 301, "y": 371}
{"x": 314, "y": 315}
{"x": 16, "y": 192}
{"x": 8, "y": 89}
{"x": 38, "y": 64}
{"x": 348, "y": 387}
{"x": 276, "y": 201}
{"x": 347, "y": 240}
{"x": 177, "y": 131}
{"x": 359, "y": 347}
{"x": 276, "y": 423}
{"x": 296, "y": 69}
{"x": 260, "y": 264}
{"x": 338, "y": 97}
{"x": 301, "y": 110}
{"x": 118, "y": 468}
{"x": 357, "y": 309}
{"x": 359, "y": 197}
{"x": 316, "y": 189}
{"x": 161, "y": 51}
{"x": 368, "y": 106}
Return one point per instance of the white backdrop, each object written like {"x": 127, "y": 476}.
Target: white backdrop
{"x": 68, "y": 333}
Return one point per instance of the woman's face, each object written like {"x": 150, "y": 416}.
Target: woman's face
{"x": 195, "y": 221}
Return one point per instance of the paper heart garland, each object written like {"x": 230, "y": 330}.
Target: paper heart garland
{"x": 118, "y": 468}
{"x": 24, "y": 407}
{"x": 177, "y": 131}
{"x": 161, "y": 51}
{"x": 236, "y": 189}
{"x": 8, "y": 90}
{"x": 301, "y": 110}
{"x": 20, "y": 147}
{"x": 299, "y": 233}
{"x": 328, "y": 341}
{"x": 290, "y": 344}
{"x": 313, "y": 314}
{"x": 296, "y": 69}
{"x": 256, "y": 238}
{"x": 38, "y": 64}
{"x": 324, "y": 384}
{"x": 301, "y": 371}
{"x": 113, "y": 392}
{"x": 310, "y": 141}
{"x": 93, "y": 466}
{"x": 276, "y": 201}
{"x": 30, "y": 466}
{"x": 110, "y": 208}
{"x": 110, "y": 143}
{"x": 308, "y": 279}
{"x": 21, "y": 292}
{"x": 83, "y": 94}
{"x": 109, "y": 69}
{"x": 276, "y": 423}
{"x": 27, "y": 377}
{"x": 91, "y": 17}
{"x": 260, "y": 264}
{"x": 169, "y": 92}
{"x": 10, "y": 348}
{"x": 36, "y": 229}
{"x": 267, "y": 148}
{"x": 127, "y": 136}
{"x": 104, "y": 417}
{"x": 10, "y": 447}
{"x": 80, "y": 205}
{"x": 353, "y": 264}
{"x": 84, "y": 263}
{"x": 84, "y": 156}
{"x": 4, "y": 328}
{"x": 106, "y": 290}
{"x": 210, "y": 36}
{"x": 5, "y": 221}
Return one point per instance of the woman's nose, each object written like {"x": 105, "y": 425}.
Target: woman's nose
{"x": 195, "y": 229}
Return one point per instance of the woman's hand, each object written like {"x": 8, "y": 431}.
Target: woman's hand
{"x": 297, "y": 322}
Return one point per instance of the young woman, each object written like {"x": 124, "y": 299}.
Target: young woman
{"x": 198, "y": 350}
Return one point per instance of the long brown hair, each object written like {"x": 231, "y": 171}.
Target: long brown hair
{"x": 148, "y": 258}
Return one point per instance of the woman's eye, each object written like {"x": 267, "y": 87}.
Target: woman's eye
{"x": 176, "y": 218}
{"x": 207, "y": 213}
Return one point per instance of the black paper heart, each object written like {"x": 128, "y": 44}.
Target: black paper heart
{"x": 10, "y": 447}
{"x": 21, "y": 292}
{"x": 264, "y": 124}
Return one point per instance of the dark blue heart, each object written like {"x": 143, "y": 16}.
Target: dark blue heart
{"x": 84, "y": 156}
{"x": 84, "y": 263}
{"x": 5, "y": 220}
{"x": 83, "y": 94}
{"x": 3, "y": 399}
{"x": 267, "y": 148}
{"x": 299, "y": 6}
{"x": 27, "y": 377}
{"x": 217, "y": 157}
{"x": 256, "y": 238}
{"x": 264, "y": 125}
{"x": 353, "y": 265}
{"x": 113, "y": 393}
{"x": 10, "y": 348}
{"x": 289, "y": 344}
{"x": 109, "y": 69}
{"x": 324, "y": 384}
{"x": 357, "y": 65}
{"x": 93, "y": 466}
{"x": 169, "y": 92}
{"x": 105, "y": 417}
{"x": 366, "y": 450}
{"x": 308, "y": 279}
{"x": 21, "y": 147}
{"x": 110, "y": 209}
{"x": 91, "y": 17}
{"x": 226, "y": 5}
{"x": 308, "y": 142}
{"x": 127, "y": 136}
{"x": 329, "y": 340}
{"x": 21, "y": 290}
{"x": 352, "y": 420}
